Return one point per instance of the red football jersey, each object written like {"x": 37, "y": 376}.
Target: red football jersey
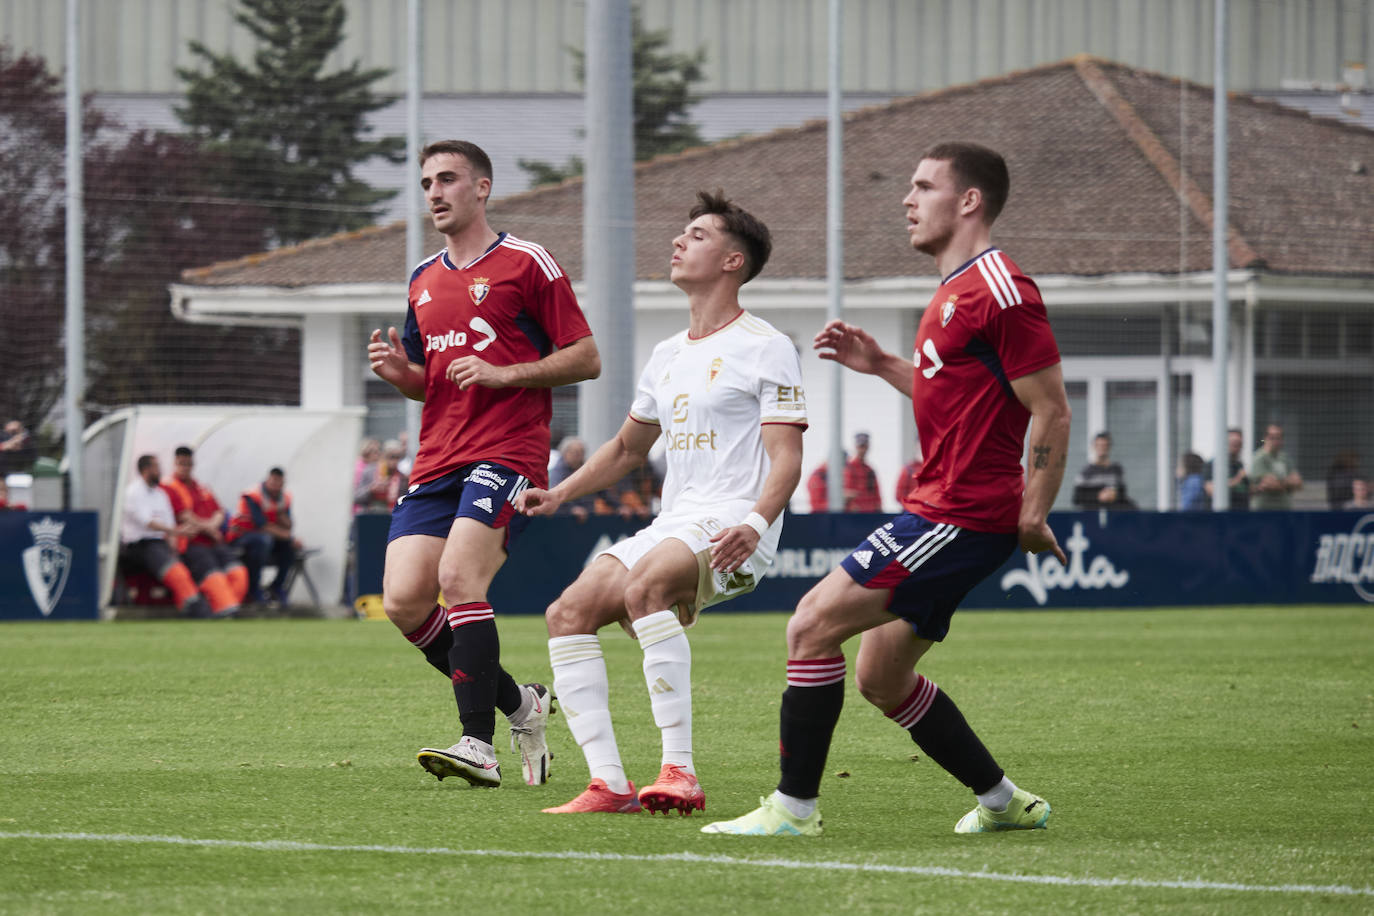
{"x": 512, "y": 305}
{"x": 985, "y": 326}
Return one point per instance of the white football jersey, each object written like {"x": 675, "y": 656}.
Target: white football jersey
{"x": 711, "y": 397}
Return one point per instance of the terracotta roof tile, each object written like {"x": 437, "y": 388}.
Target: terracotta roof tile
{"x": 1111, "y": 173}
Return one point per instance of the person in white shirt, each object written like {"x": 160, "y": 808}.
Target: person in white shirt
{"x": 145, "y": 530}
{"x": 725, "y": 395}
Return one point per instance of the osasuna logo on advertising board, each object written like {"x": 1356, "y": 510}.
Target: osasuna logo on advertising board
{"x": 1347, "y": 559}
{"x": 46, "y": 564}
{"x": 1044, "y": 572}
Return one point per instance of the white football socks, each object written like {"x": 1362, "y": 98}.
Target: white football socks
{"x": 668, "y": 675}
{"x": 800, "y": 808}
{"x": 999, "y": 796}
{"x": 580, "y": 683}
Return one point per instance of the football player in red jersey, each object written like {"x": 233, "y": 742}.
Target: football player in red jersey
{"x": 985, "y": 364}
{"x": 492, "y": 325}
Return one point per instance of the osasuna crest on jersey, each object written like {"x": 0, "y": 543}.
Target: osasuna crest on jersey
{"x": 947, "y": 311}
{"x": 479, "y": 289}
{"x": 46, "y": 564}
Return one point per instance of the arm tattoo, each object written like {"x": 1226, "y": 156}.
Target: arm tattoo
{"x": 1041, "y": 457}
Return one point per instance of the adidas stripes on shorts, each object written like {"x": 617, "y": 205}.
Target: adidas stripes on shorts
{"x": 928, "y": 566}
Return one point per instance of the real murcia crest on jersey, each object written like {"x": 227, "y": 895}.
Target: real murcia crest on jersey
{"x": 716, "y": 365}
{"x": 947, "y": 310}
{"x": 479, "y": 289}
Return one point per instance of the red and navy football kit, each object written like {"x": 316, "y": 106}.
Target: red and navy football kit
{"x": 985, "y": 326}
{"x": 480, "y": 447}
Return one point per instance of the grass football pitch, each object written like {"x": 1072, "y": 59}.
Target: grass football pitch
{"x": 1197, "y": 761}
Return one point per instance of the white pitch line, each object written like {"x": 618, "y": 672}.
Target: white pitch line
{"x": 929, "y": 871}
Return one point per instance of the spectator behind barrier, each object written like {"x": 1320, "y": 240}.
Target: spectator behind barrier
{"x": 1237, "y": 481}
{"x": 369, "y": 454}
{"x": 1102, "y": 482}
{"x": 571, "y": 455}
{"x": 860, "y": 481}
{"x": 906, "y": 478}
{"x": 1343, "y": 471}
{"x": 1274, "y": 479}
{"x": 1192, "y": 490}
{"x": 1359, "y": 499}
{"x": 17, "y": 448}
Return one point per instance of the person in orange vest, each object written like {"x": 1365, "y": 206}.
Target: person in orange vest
{"x": 221, "y": 574}
{"x": 262, "y": 528}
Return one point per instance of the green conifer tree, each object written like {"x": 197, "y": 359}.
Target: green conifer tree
{"x": 290, "y": 134}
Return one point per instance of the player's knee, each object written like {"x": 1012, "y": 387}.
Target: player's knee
{"x": 875, "y": 690}
{"x": 803, "y": 632}
{"x": 565, "y": 618}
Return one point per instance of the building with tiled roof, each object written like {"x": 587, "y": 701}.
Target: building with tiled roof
{"x": 1110, "y": 211}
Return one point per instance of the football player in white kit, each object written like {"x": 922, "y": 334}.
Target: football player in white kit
{"x": 726, "y": 396}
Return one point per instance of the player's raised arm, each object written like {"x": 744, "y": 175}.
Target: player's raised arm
{"x": 391, "y": 364}
{"x": 618, "y": 457}
{"x": 1043, "y": 395}
{"x": 734, "y": 545}
{"x": 854, "y": 348}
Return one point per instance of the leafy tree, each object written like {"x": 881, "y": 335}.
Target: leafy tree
{"x": 289, "y": 135}
{"x": 138, "y": 351}
{"x": 32, "y": 233}
{"x": 662, "y": 95}
{"x": 145, "y": 221}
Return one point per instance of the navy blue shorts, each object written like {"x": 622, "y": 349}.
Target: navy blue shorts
{"x": 483, "y": 490}
{"x": 929, "y": 568}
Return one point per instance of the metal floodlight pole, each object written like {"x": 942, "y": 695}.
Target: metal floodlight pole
{"x": 608, "y": 212}
{"x": 74, "y": 395}
{"x": 1221, "y": 311}
{"x": 834, "y": 253}
{"x": 414, "y": 209}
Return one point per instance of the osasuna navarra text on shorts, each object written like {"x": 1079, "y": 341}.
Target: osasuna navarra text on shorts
{"x": 483, "y": 490}
{"x": 929, "y": 567}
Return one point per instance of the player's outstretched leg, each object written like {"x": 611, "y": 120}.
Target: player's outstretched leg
{"x": 811, "y": 706}
{"x": 939, "y": 728}
{"x": 770, "y": 818}
{"x": 469, "y": 759}
{"x": 527, "y": 733}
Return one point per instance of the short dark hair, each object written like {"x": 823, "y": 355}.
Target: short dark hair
{"x": 978, "y": 167}
{"x": 184, "y": 451}
{"x": 1104, "y": 435}
{"x": 745, "y": 227}
{"x": 276, "y": 472}
{"x": 474, "y": 154}
{"x": 145, "y": 462}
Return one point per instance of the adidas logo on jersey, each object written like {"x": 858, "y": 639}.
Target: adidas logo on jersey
{"x": 863, "y": 557}
{"x": 424, "y": 297}
{"x": 484, "y": 503}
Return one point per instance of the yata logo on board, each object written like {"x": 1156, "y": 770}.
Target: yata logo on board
{"x": 1348, "y": 559}
{"x": 1044, "y": 572}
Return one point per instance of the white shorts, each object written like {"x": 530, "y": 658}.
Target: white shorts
{"x": 696, "y": 530}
